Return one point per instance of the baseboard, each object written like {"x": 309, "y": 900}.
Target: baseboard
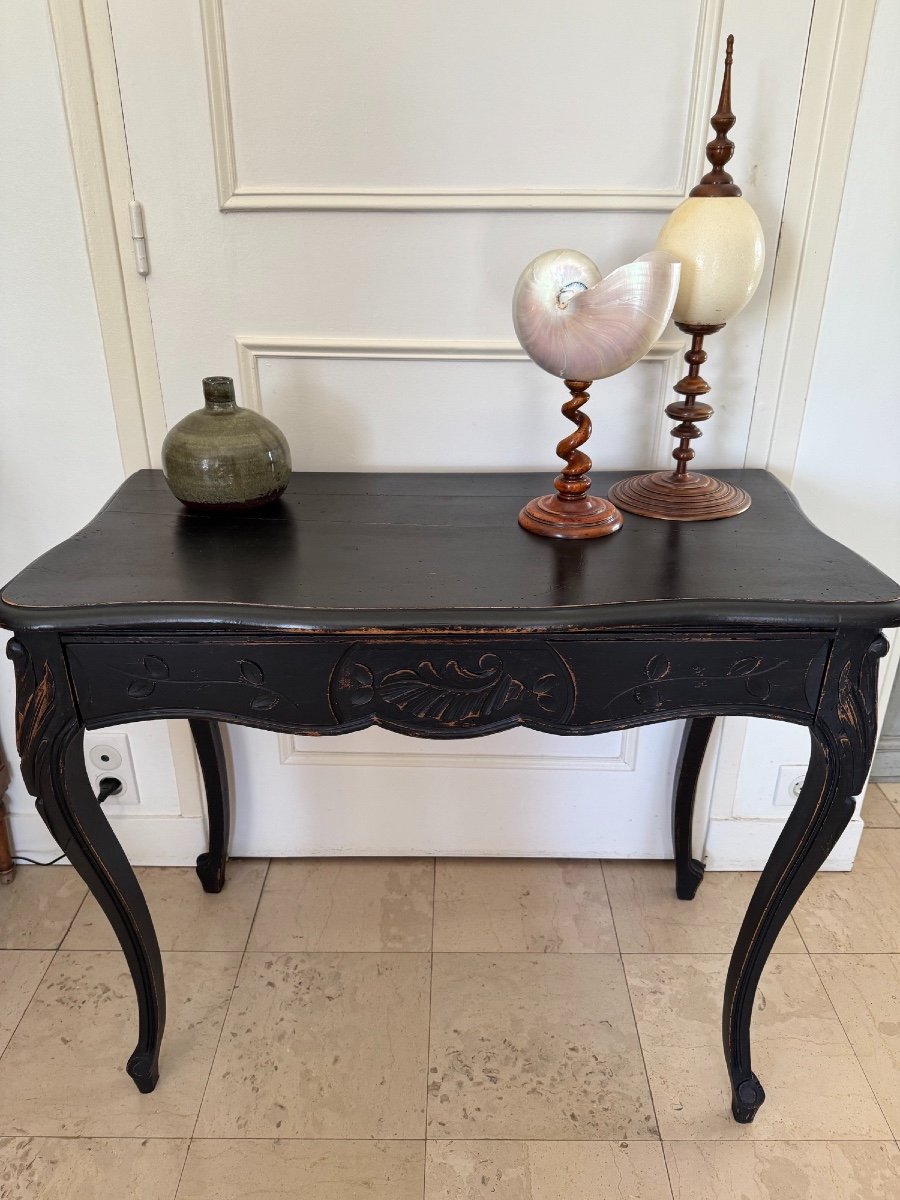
{"x": 886, "y": 763}
{"x": 147, "y": 841}
{"x": 731, "y": 845}
{"x": 734, "y": 845}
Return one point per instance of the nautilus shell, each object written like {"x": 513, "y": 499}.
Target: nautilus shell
{"x": 578, "y": 325}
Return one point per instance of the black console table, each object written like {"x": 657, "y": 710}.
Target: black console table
{"x": 417, "y": 603}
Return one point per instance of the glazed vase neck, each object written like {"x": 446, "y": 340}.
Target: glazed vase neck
{"x": 218, "y": 393}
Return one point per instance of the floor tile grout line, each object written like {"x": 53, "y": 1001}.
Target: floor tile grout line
{"x": 212, "y": 1059}
{"x": 865, "y": 1073}
{"x": 662, "y": 1146}
{"x": 495, "y": 953}
{"x": 703, "y": 1141}
{"x": 84, "y": 900}
{"x": 637, "y": 1032}
{"x": 612, "y": 913}
{"x": 50, "y": 961}
{"x": 256, "y": 907}
{"x": 795, "y": 923}
{"x": 428, "y": 1040}
{"x": 888, "y": 1138}
{"x": 187, "y": 1150}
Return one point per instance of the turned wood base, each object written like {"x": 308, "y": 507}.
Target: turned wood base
{"x": 586, "y": 517}
{"x": 693, "y": 497}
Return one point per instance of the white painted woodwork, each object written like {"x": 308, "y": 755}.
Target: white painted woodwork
{"x": 461, "y": 107}
{"x": 369, "y": 316}
{"x": 843, "y": 462}
{"x": 358, "y": 281}
{"x": 62, "y": 449}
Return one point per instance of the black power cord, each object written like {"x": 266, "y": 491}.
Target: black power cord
{"x": 109, "y": 786}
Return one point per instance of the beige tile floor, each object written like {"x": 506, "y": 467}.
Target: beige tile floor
{"x": 405, "y": 1029}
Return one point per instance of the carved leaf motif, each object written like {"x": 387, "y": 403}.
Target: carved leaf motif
{"x": 32, "y": 717}
{"x": 545, "y": 691}
{"x": 744, "y": 666}
{"x": 252, "y": 673}
{"x": 454, "y": 694}
{"x": 141, "y": 688}
{"x": 263, "y": 701}
{"x": 657, "y": 668}
{"x": 157, "y": 668}
{"x": 648, "y": 697}
{"x": 856, "y": 706}
{"x": 758, "y": 686}
{"x": 362, "y": 685}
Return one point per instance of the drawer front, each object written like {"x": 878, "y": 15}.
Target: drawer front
{"x": 454, "y": 687}
{"x": 457, "y": 686}
{"x": 261, "y": 682}
{"x": 574, "y": 685}
{"x": 632, "y": 679}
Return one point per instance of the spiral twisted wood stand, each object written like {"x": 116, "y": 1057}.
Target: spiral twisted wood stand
{"x": 571, "y": 512}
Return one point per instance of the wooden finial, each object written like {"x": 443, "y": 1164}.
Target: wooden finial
{"x": 718, "y": 182}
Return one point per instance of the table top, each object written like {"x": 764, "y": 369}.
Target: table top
{"x": 364, "y": 552}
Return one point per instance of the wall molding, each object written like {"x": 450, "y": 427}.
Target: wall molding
{"x": 826, "y": 120}
{"x": 293, "y": 753}
{"x": 250, "y": 348}
{"x": 886, "y": 763}
{"x": 90, "y": 91}
{"x": 829, "y": 98}
{"x": 233, "y": 196}
{"x": 734, "y": 844}
{"x": 93, "y": 110}
{"x": 153, "y": 841}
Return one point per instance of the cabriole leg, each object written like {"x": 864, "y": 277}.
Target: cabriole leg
{"x": 211, "y": 753}
{"x": 843, "y": 740}
{"x": 51, "y": 745}
{"x": 688, "y": 870}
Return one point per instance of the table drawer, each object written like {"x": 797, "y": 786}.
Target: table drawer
{"x": 445, "y": 686}
{"x": 417, "y": 685}
{"x": 272, "y": 682}
{"x": 624, "y": 680}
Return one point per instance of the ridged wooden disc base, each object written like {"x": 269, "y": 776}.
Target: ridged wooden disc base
{"x": 586, "y": 517}
{"x": 694, "y": 497}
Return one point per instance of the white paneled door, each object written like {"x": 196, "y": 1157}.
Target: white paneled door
{"x": 338, "y": 199}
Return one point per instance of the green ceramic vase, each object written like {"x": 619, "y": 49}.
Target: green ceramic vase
{"x": 222, "y": 457}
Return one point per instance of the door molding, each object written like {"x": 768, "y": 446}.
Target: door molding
{"x": 826, "y": 118}
{"x": 233, "y": 196}
{"x": 831, "y": 84}
{"x": 293, "y": 751}
{"x": 90, "y": 91}
{"x": 250, "y": 348}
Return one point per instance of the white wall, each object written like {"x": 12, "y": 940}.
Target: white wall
{"x": 848, "y": 463}
{"x": 58, "y": 449}
{"x": 59, "y": 454}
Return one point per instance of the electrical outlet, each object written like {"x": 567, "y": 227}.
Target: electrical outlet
{"x": 109, "y": 755}
{"x": 788, "y": 784}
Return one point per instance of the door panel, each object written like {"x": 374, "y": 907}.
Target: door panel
{"x": 463, "y": 102}
{"x": 338, "y": 201}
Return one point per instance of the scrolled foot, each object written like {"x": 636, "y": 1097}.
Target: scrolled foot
{"x": 688, "y": 878}
{"x": 211, "y": 873}
{"x": 747, "y": 1098}
{"x": 144, "y": 1070}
